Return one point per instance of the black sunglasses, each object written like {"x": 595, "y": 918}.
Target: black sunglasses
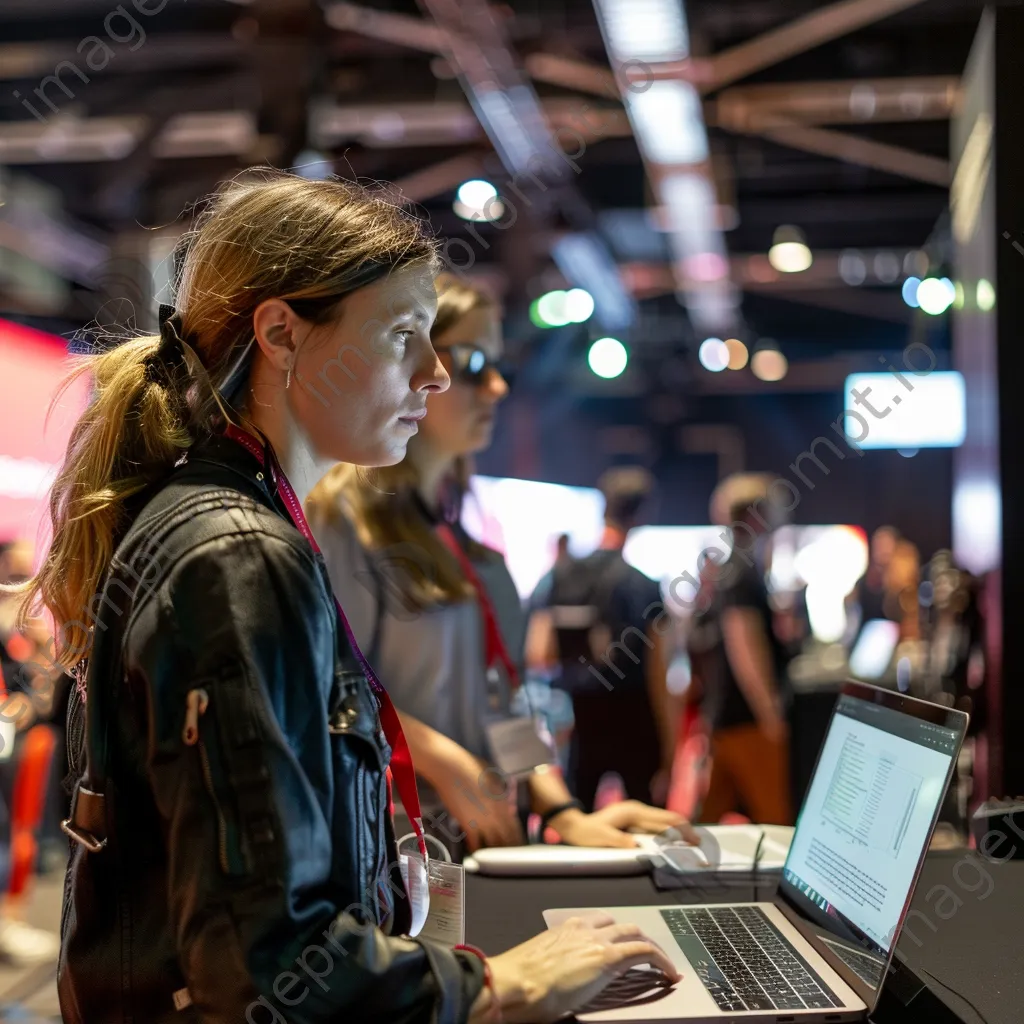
{"x": 470, "y": 363}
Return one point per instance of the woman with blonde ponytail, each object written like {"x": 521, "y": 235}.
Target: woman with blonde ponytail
{"x": 232, "y": 855}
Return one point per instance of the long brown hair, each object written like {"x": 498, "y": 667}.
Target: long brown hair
{"x": 265, "y": 235}
{"x": 382, "y": 506}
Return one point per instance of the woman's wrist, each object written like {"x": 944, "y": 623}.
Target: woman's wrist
{"x": 561, "y": 816}
{"x": 503, "y": 999}
{"x": 515, "y": 1000}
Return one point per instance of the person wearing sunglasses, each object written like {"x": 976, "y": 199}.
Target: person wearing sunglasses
{"x": 438, "y": 613}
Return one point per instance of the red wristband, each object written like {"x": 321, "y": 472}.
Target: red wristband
{"x": 488, "y": 980}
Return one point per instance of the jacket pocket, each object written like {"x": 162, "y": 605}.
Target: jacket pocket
{"x": 202, "y": 732}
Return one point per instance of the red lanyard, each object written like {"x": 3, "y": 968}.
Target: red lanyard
{"x": 494, "y": 645}
{"x": 401, "y": 755}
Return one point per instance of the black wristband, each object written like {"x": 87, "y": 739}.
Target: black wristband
{"x": 554, "y": 812}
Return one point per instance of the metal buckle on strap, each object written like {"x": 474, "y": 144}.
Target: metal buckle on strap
{"x": 87, "y": 824}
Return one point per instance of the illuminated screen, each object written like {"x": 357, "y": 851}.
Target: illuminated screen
{"x": 32, "y": 439}
{"x": 524, "y": 518}
{"x": 880, "y": 411}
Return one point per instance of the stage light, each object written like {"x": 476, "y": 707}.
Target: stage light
{"x": 986, "y": 295}
{"x": 852, "y": 268}
{"x": 669, "y": 116}
{"x": 579, "y": 305}
{"x": 910, "y": 287}
{"x": 713, "y": 354}
{"x": 887, "y": 267}
{"x": 789, "y": 253}
{"x": 738, "y": 354}
{"x": 607, "y": 357}
{"x": 915, "y": 263}
{"x": 769, "y": 364}
{"x": 552, "y": 309}
{"x": 478, "y": 200}
{"x": 935, "y": 295}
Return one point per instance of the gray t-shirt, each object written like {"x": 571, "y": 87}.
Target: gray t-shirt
{"x": 431, "y": 662}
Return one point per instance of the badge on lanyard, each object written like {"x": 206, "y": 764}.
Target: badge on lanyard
{"x": 518, "y": 746}
{"x": 437, "y": 892}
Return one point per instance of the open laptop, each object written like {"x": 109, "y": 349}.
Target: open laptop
{"x": 821, "y": 949}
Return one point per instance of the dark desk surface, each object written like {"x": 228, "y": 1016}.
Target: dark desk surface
{"x": 966, "y": 925}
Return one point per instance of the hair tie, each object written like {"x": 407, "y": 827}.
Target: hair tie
{"x": 171, "y": 351}
{"x": 172, "y": 333}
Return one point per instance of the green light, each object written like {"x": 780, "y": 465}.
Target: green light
{"x": 535, "y": 318}
{"x": 553, "y": 309}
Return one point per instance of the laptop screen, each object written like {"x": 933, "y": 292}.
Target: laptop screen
{"x": 864, "y": 826}
{"x": 875, "y": 646}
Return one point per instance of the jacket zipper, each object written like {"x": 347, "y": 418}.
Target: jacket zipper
{"x": 197, "y": 703}
{"x": 222, "y": 825}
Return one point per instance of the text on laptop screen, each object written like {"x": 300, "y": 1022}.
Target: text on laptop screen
{"x": 867, "y": 818}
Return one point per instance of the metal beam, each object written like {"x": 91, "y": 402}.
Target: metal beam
{"x": 856, "y": 150}
{"x": 438, "y": 178}
{"x": 103, "y": 139}
{"x": 451, "y": 122}
{"x": 170, "y": 50}
{"x": 421, "y": 34}
{"x": 802, "y": 34}
{"x": 849, "y": 102}
{"x": 400, "y": 29}
{"x": 578, "y": 75}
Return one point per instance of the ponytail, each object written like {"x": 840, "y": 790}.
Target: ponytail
{"x": 131, "y": 435}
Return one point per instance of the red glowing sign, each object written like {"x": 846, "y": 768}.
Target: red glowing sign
{"x": 33, "y": 437}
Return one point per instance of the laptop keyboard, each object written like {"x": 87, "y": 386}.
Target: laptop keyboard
{"x": 745, "y": 962}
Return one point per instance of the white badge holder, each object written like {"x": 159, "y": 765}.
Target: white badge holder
{"x": 437, "y": 892}
{"x": 519, "y": 746}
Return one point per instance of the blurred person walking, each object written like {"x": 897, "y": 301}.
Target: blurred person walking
{"x": 741, "y": 664}
{"x": 599, "y": 622}
{"x": 31, "y": 756}
{"x": 439, "y": 613}
{"x": 232, "y": 752}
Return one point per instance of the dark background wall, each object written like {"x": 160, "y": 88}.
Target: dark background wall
{"x": 876, "y": 488}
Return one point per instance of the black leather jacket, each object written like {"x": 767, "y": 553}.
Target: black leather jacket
{"x": 249, "y": 874}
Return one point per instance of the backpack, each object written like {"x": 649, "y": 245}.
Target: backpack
{"x": 587, "y": 625}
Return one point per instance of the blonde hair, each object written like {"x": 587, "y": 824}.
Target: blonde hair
{"x": 383, "y": 507}
{"x": 267, "y": 234}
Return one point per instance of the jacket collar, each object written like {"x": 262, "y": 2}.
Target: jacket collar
{"x": 238, "y": 466}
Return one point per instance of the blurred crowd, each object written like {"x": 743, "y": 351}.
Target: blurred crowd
{"x": 33, "y": 763}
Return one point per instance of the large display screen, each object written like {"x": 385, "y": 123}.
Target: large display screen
{"x": 904, "y": 410}
{"x": 33, "y": 438}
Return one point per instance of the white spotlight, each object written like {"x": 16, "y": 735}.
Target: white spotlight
{"x": 789, "y": 253}
{"x": 579, "y": 305}
{"x": 935, "y": 295}
{"x": 713, "y": 354}
{"x": 478, "y": 200}
{"x": 608, "y": 357}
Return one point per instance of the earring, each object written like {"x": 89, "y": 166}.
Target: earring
{"x": 288, "y": 379}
